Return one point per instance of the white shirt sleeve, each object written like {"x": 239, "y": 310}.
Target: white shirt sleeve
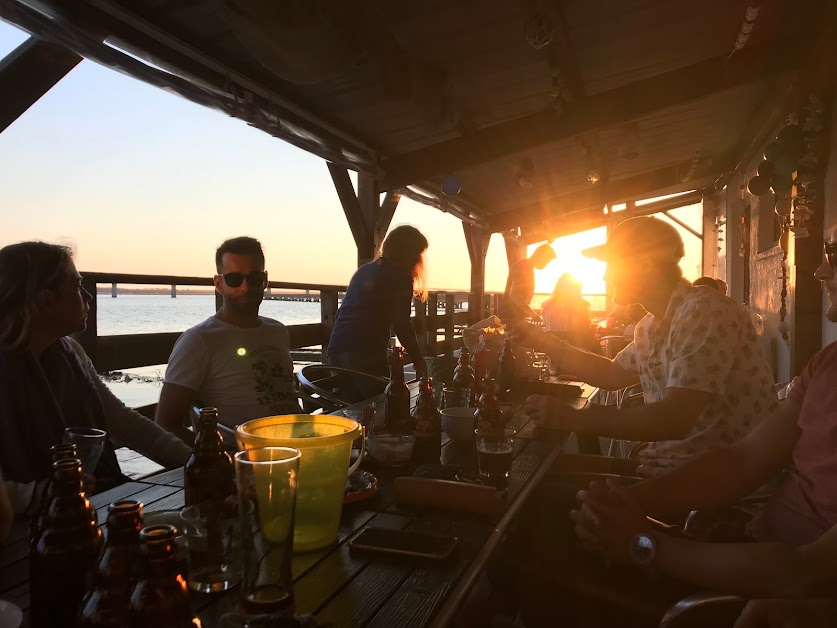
{"x": 188, "y": 362}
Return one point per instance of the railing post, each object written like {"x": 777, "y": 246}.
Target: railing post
{"x": 89, "y": 338}
{"x": 328, "y": 314}
{"x": 432, "y": 324}
{"x": 450, "y": 308}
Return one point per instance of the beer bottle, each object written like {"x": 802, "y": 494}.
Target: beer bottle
{"x": 427, "y": 426}
{"x": 397, "y": 396}
{"x": 62, "y": 560}
{"x": 160, "y": 598}
{"x": 463, "y": 375}
{"x": 209, "y": 474}
{"x": 489, "y": 414}
{"x": 106, "y": 605}
{"x": 57, "y": 452}
{"x": 506, "y": 375}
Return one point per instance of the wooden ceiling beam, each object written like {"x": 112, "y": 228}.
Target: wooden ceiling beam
{"x": 615, "y": 106}
{"x": 28, "y": 72}
{"x": 665, "y": 180}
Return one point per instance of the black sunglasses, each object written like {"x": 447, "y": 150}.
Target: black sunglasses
{"x": 831, "y": 254}
{"x": 256, "y": 278}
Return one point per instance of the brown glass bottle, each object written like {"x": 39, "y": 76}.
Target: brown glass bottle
{"x": 57, "y": 452}
{"x": 489, "y": 414}
{"x": 463, "y": 375}
{"x": 427, "y": 425}
{"x": 507, "y": 371}
{"x": 106, "y": 605}
{"x": 397, "y": 396}
{"x": 62, "y": 560}
{"x": 160, "y": 598}
{"x": 209, "y": 474}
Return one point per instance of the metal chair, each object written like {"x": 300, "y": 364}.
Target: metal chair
{"x": 326, "y": 382}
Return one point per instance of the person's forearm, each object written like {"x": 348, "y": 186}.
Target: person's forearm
{"x": 747, "y": 569}
{"x": 714, "y": 479}
{"x": 594, "y": 369}
{"x": 652, "y": 422}
{"x": 407, "y": 337}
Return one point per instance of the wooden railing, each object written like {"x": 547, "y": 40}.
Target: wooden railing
{"x": 125, "y": 351}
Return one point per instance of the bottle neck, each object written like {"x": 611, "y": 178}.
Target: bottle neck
{"x": 396, "y": 369}
{"x": 208, "y": 441}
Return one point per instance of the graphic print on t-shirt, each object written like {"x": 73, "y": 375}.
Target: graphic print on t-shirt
{"x": 272, "y": 380}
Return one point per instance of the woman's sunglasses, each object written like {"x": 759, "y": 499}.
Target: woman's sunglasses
{"x": 831, "y": 254}
{"x": 256, "y": 278}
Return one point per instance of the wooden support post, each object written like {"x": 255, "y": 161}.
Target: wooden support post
{"x": 432, "y": 324}
{"x": 368, "y": 219}
{"x": 328, "y": 315}
{"x": 477, "y": 241}
{"x": 219, "y": 301}
{"x": 709, "y": 236}
{"x": 450, "y": 309}
{"x": 28, "y": 72}
{"x": 89, "y": 338}
{"x": 421, "y": 323}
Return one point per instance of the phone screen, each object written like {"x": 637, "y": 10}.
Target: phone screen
{"x": 406, "y": 543}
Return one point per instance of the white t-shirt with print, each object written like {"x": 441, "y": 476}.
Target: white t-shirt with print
{"x": 705, "y": 342}
{"x": 245, "y": 372}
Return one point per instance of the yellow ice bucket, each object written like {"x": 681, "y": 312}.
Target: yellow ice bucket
{"x": 325, "y": 443}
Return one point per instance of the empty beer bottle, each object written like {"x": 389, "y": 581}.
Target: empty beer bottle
{"x": 160, "y": 598}
{"x": 107, "y": 604}
{"x": 57, "y": 452}
{"x": 427, "y": 425}
{"x": 397, "y": 396}
{"x": 507, "y": 371}
{"x": 62, "y": 560}
{"x": 209, "y": 474}
{"x": 489, "y": 414}
{"x": 463, "y": 375}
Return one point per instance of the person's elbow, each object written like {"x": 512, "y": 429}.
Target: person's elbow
{"x": 172, "y": 407}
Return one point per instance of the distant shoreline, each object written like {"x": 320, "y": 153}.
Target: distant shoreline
{"x": 157, "y": 291}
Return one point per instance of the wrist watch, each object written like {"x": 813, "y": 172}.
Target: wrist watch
{"x": 643, "y": 548}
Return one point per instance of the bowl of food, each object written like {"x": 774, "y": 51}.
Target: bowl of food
{"x": 458, "y": 424}
{"x": 390, "y": 449}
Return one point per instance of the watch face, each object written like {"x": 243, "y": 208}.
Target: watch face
{"x": 643, "y": 549}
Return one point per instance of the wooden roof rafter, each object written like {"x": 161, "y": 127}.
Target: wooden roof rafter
{"x": 615, "y": 106}
{"x": 187, "y": 72}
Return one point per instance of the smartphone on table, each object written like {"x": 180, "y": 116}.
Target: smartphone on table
{"x": 401, "y": 542}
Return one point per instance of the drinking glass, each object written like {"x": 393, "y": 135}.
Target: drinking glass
{"x": 89, "y": 442}
{"x": 494, "y": 454}
{"x": 267, "y": 480}
{"x": 213, "y": 544}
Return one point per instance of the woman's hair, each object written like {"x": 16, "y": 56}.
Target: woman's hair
{"x": 25, "y": 269}
{"x": 405, "y": 247}
{"x": 566, "y": 287}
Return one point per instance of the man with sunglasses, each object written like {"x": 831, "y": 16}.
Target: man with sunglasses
{"x": 795, "y": 553}
{"x": 236, "y": 360}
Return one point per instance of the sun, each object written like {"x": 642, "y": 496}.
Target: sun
{"x": 569, "y": 259}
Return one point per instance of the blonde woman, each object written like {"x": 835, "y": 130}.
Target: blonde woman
{"x": 48, "y": 383}
{"x": 378, "y": 300}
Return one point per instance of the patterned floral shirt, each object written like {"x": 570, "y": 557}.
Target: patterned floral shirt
{"x": 705, "y": 342}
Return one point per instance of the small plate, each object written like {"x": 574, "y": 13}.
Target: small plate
{"x": 360, "y": 485}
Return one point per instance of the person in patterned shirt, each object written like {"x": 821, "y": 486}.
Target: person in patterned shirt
{"x": 795, "y": 550}
{"x": 705, "y": 381}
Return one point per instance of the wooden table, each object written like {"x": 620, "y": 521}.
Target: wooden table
{"x": 346, "y": 588}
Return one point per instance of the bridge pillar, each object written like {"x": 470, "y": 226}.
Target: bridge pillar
{"x": 113, "y": 290}
{"x": 173, "y": 291}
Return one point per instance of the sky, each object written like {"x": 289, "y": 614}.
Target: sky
{"x": 138, "y": 180}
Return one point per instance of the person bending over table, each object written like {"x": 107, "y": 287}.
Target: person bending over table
{"x": 378, "y": 300}
{"x": 703, "y": 376}
{"x": 48, "y": 383}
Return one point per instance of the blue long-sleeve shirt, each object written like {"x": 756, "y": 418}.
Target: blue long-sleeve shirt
{"x": 377, "y": 300}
